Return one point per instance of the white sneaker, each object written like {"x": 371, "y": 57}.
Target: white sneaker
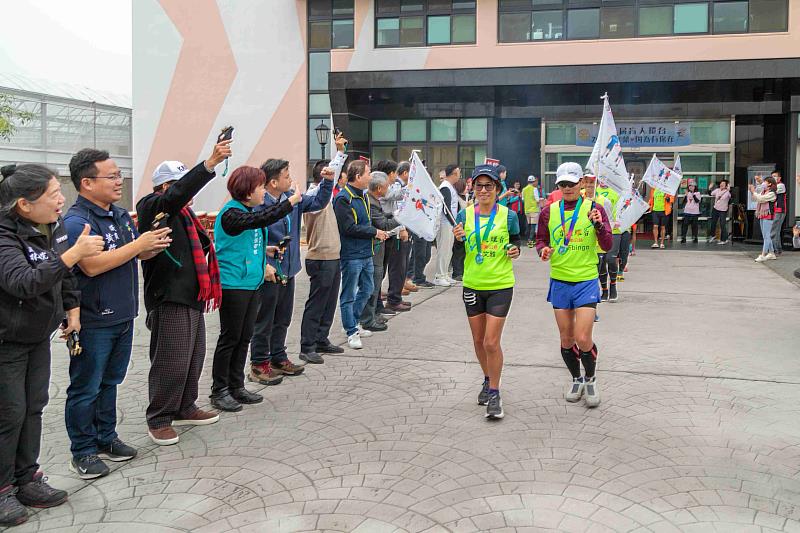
{"x": 722, "y": 243}
{"x": 711, "y": 239}
{"x": 451, "y": 281}
{"x": 771, "y": 256}
{"x": 441, "y": 282}
{"x": 364, "y": 332}
{"x": 761, "y": 258}
{"x": 575, "y": 390}
{"x": 592, "y": 392}
{"x": 354, "y": 341}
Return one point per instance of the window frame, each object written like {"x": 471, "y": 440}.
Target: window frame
{"x": 426, "y": 13}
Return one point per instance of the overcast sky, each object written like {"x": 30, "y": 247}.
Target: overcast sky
{"x": 83, "y": 42}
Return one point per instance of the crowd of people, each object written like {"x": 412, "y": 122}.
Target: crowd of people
{"x": 78, "y": 272}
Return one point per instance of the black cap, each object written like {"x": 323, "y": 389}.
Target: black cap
{"x": 486, "y": 170}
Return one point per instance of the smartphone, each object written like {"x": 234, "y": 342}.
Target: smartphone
{"x": 161, "y": 220}
{"x": 226, "y": 134}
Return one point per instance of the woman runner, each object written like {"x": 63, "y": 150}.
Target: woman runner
{"x": 568, "y": 235}
{"x": 492, "y": 240}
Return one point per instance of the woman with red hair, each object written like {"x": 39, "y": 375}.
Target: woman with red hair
{"x": 241, "y": 237}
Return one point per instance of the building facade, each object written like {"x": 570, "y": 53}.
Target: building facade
{"x": 716, "y": 82}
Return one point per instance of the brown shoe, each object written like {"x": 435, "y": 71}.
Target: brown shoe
{"x": 398, "y": 308}
{"x": 198, "y": 418}
{"x": 405, "y": 292}
{"x": 288, "y": 368}
{"x": 405, "y": 304}
{"x": 409, "y": 286}
{"x": 263, "y": 374}
{"x": 165, "y": 436}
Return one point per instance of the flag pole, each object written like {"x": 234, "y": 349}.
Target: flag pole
{"x": 597, "y": 161}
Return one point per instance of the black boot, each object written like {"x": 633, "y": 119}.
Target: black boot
{"x": 223, "y": 401}
{"x": 37, "y": 493}
{"x": 245, "y": 396}
{"x": 12, "y": 513}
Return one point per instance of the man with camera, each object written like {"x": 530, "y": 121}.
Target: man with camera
{"x": 180, "y": 284}
{"x": 268, "y": 357}
{"x": 109, "y": 285}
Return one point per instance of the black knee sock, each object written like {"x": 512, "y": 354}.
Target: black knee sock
{"x": 589, "y": 360}
{"x": 604, "y": 281}
{"x": 572, "y": 360}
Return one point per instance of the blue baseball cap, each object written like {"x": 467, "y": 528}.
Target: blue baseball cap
{"x": 486, "y": 170}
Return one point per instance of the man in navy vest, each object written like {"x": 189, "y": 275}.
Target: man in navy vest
{"x": 356, "y": 233}
{"x": 268, "y": 357}
{"x": 109, "y": 286}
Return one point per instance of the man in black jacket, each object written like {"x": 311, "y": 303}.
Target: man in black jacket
{"x": 179, "y": 284}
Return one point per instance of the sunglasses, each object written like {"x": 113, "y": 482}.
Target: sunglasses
{"x": 566, "y": 185}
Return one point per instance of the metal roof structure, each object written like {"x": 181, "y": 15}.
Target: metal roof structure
{"x": 19, "y": 83}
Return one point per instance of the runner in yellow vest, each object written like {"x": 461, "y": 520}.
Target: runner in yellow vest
{"x": 608, "y": 268}
{"x": 531, "y": 199}
{"x": 490, "y": 233}
{"x": 659, "y": 205}
{"x": 570, "y": 231}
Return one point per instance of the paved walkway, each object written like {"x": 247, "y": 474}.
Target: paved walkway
{"x": 698, "y": 430}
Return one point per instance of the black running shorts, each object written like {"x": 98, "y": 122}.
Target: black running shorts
{"x": 496, "y": 303}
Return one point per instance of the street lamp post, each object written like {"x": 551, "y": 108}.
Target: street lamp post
{"x": 323, "y": 132}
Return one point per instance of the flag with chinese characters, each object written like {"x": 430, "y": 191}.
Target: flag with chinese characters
{"x": 421, "y": 208}
{"x": 606, "y": 161}
{"x": 661, "y": 177}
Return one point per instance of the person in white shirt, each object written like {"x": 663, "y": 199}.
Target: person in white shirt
{"x": 444, "y": 239}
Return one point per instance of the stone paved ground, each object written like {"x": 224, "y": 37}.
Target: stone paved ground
{"x": 697, "y": 431}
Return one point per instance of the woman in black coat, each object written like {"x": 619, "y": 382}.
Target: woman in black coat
{"x": 37, "y": 292}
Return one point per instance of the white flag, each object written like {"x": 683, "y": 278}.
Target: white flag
{"x": 606, "y": 160}
{"x": 421, "y": 208}
{"x": 661, "y": 177}
{"x": 676, "y": 167}
{"x": 630, "y": 208}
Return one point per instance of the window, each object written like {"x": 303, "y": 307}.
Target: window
{"x": 730, "y": 17}
{"x": 424, "y": 22}
{"x": 655, "y": 20}
{"x": 319, "y": 104}
{"x": 319, "y": 34}
{"x": 444, "y": 129}
{"x": 583, "y": 23}
{"x": 515, "y": 27}
{"x": 616, "y": 22}
{"x": 542, "y": 20}
{"x": 547, "y": 25}
{"x": 474, "y": 129}
{"x": 342, "y": 33}
{"x": 768, "y": 15}
{"x": 413, "y": 130}
{"x": 384, "y": 130}
{"x": 691, "y": 18}
{"x": 319, "y": 64}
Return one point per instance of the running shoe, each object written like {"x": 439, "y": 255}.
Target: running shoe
{"x": 662, "y": 246}
{"x": 494, "y": 407}
{"x": 425, "y": 285}
{"x": 612, "y": 293}
{"x": 592, "y": 393}
{"x": 364, "y": 332}
{"x": 530, "y": 244}
{"x": 575, "y": 390}
{"x": 620, "y": 277}
{"x": 441, "y": 282}
{"x": 761, "y": 258}
{"x": 771, "y": 256}
{"x": 604, "y": 295}
{"x": 483, "y": 396}
{"x": 354, "y": 341}
{"x": 711, "y": 239}
{"x": 655, "y": 245}
{"x": 723, "y": 243}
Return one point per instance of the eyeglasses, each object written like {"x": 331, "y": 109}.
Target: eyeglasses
{"x": 484, "y": 186}
{"x": 115, "y": 177}
{"x": 567, "y": 185}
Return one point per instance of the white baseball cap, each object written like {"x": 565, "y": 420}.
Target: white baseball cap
{"x": 531, "y": 178}
{"x": 569, "y": 172}
{"x": 168, "y": 171}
